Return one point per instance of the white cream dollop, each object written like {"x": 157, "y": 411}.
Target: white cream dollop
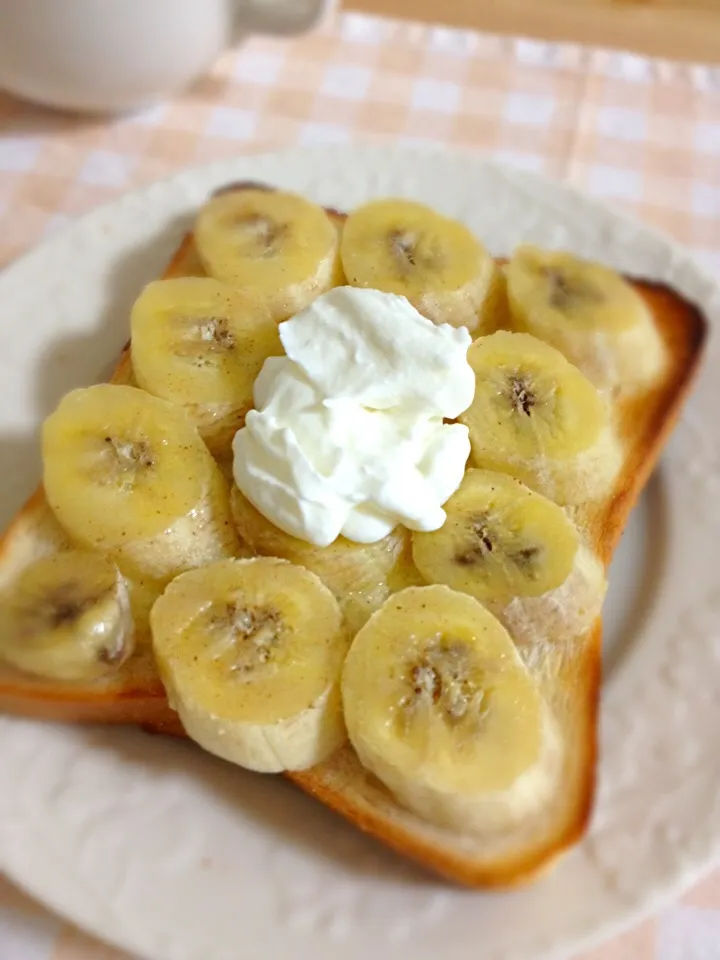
{"x": 347, "y": 435}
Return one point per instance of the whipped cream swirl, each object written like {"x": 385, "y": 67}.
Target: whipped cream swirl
{"x": 348, "y": 434}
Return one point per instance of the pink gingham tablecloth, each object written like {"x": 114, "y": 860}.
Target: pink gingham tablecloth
{"x": 639, "y": 133}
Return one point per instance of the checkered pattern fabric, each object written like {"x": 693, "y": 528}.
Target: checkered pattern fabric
{"x": 640, "y": 133}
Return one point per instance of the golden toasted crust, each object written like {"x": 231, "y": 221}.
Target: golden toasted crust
{"x": 570, "y": 677}
{"x": 646, "y": 420}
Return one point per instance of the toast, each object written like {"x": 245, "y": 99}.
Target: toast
{"x": 569, "y": 674}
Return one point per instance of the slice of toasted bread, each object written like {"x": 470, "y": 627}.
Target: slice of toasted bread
{"x": 569, "y": 674}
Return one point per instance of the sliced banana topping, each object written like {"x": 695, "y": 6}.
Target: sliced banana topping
{"x": 200, "y": 344}
{"x": 589, "y": 312}
{"x": 128, "y": 474}
{"x": 358, "y": 574}
{"x": 67, "y": 616}
{"x": 278, "y": 244}
{"x": 250, "y": 652}
{"x": 538, "y": 418}
{"x": 406, "y": 248}
{"x": 500, "y": 540}
{"x": 519, "y": 554}
{"x": 440, "y": 707}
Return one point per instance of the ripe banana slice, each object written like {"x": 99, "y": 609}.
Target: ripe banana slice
{"x": 358, "y": 574}
{"x": 250, "y": 652}
{"x": 128, "y": 474}
{"x": 588, "y": 312}
{"x": 519, "y": 554}
{"x": 67, "y": 616}
{"x": 538, "y": 418}
{"x": 402, "y": 247}
{"x": 200, "y": 344}
{"x": 278, "y": 244}
{"x": 440, "y": 707}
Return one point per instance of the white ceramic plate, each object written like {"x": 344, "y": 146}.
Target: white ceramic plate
{"x": 175, "y": 856}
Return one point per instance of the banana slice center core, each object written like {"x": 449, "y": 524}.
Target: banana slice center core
{"x": 248, "y": 639}
{"x": 121, "y": 458}
{"x": 59, "y": 607}
{"x": 213, "y": 334}
{"x": 566, "y": 291}
{"x": 482, "y": 542}
{"x": 521, "y": 395}
{"x": 409, "y": 253}
{"x": 484, "y": 539}
{"x": 259, "y": 237}
{"x": 444, "y": 677}
{"x": 63, "y": 608}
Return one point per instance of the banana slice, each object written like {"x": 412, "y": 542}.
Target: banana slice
{"x": 588, "y": 312}
{"x": 278, "y": 244}
{"x": 440, "y": 707}
{"x": 200, "y": 344}
{"x": 128, "y": 474}
{"x": 67, "y": 616}
{"x": 538, "y": 418}
{"x": 250, "y": 652}
{"x": 358, "y": 574}
{"x": 519, "y": 554}
{"x": 402, "y": 247}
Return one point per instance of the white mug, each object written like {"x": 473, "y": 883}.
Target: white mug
{"x": 120, "y": 55}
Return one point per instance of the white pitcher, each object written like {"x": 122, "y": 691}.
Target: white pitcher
{"x": 120, "y": 55}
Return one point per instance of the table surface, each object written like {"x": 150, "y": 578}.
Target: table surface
{"x": 639, "y": 133}
{"x": 687, "y": 29}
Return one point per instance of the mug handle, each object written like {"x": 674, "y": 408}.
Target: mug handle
{"x": 282, "y": 17}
